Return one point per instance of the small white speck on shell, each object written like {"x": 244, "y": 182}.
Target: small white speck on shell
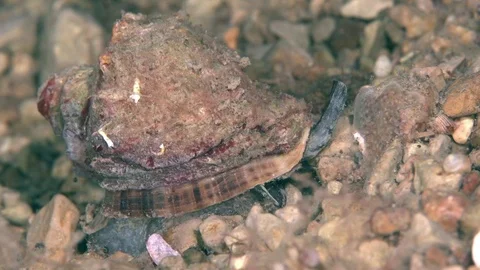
{"x": 158, "y": 248}
{"x": 105, "y": 137}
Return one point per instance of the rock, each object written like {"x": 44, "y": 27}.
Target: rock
{"x": 448, "y": 67}
{"x": 335, "y": 168}
{"x": 463, "y": 130}
{"x": 374, "y": 39}
{"x": 475, "y": 157}
{"x": 375, "y": 253}
{"x": 384, "y": 170}
{"x": 29, "y": 112}
{"x": 323, "y": 56}
{"x": 316, "y": 7}
{"x": 413, "y": 20}
{"x": 471, "y": 219}
{"x": 53, "y": 229}
{"x": 88, "y": 263}
{"x": 429, "y": 174}
{"x": 18, "y": 31}
{"x": 415, "y": 150}
{"x": 434, "y": 74}
{"x": 394, "y": 32}
{"x": 239, "y": 240}
{"x": 231, "y": 37}
{"x": 295, "y": 34}
{"x": 294, "y": 195}
{"x": 440, "y": 146}
{"x": 18, "y": 214}
{"x": 475, "y": 137}
{"x": 476, "y": 250}
{"x": 294, "y": 217}
{"x": 4, "y": 62}
{"x": 172, "y": 262}
{"x": 182, "y": 237}
{"x": 365, "y": 9}
{"x": 444, "y": 209}
{"x": 68, "y": 31}
{"x": 457, "y": 163}
{"x": 202, "y": 266}
{"x": 436, "y": 257}
{"x": 213, "y": 230}
{"x": 10, "y": 250}
{"x": 323, "y": 29}
{"x": 22, "y": 66}
{"x": 293, "y": 59}
{"x": 470, "y": 182}
{"x": 346, "y": 36}
{"x": 334, "y": 187}
{"x": 268, "y": 227}
{"x": 383, "y": 66}
{"x": 133, "y": 232}
{"x": 202, "y": 12}
{"x": 463, "y": 97}
{"x": 390, "y": 220}
{"x": 194, "y": 255}
{"x": 393, "y": 109}
{"x": 158, "y": 248}
{"x": 221, "y": 261}
{"x": 464, "y": 35}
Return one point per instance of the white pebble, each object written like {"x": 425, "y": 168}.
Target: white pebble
{"x": 334, "y": 187}
{"x": 476, "y": 250}
{"x": 457, "y": 163}
{"x": 383, "y": 66}
{"x": 158, "y": 248}
{"x": 463, "y": 130}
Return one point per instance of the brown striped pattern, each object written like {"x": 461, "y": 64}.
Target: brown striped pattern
{"x": 169, "y": 201}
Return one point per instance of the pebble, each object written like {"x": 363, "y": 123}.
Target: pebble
{"x": 29, "y": 112}
{"x": 375, "y": 253}
{"x": 440, "y": 146}
{"x": 4, "y": 62}
{"x": 414, "y": 21}
{"x": 182, "y": 237}
{"x": 374, "y": 39}
{"x": 429, "y": 174}
{"x": 416, "y": 149}
{"x": 463, "y": 96}
{"x": 389, "y": 220}
{"x": 221, "y": 261}
{"x": 444, "y": 209}
{"x": 365, "y": 9}
{"x": 323, "y": 29}
{"x": 470, "y": 182}
{"x": 475, "y": 157}
{"x": 434, "y": 74}
{"x": 457, "y": 163}
{"x": 239, "y": 240}
{"x": 53, "y": 228}
{"x": 293, "y": 194}
{"x": 476, "y": 249}
{"x": 18, "y": 31}
{"x": 22, "y": 65}
{"x": 463, "y": 129}
{"x": 316, "y": 7}
{"x": 70, "y": 31}
{"x": 334, "y": 187}
{"x": 475, "y": 137}
{"x": 213, "y": 230}
{"x": 194, "y": 255}
{"x": 10, "y": 248}
{"x": 158, "y": 248}
{"x": 295, "y": 34}
{"x": 383, "y": 66}
{"x": 294, "y": 217}
{"x": 202, "y": 12}
{"x": 268, "y": 227}
{"x": 18, "y": 214}
{"x": 335, "y": 168}
{"x": 172, "y": 262}
{"x": 448, "y": 67}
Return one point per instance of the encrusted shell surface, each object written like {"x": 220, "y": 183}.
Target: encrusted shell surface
{"x": 170, "y": 123}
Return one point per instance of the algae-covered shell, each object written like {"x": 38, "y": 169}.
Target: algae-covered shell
{"x": 171, "y": 123}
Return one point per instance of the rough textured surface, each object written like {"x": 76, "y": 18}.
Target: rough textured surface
{"x": 139, "y": 123}
{"x": 51, "y": 234}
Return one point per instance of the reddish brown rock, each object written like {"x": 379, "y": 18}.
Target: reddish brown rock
{"x": 386, "y": 221}
{"x": 445, "y": 209}
{"x": 470, "y": 182}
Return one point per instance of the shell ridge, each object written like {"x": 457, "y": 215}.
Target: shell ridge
{"x": 170, "y": 201}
